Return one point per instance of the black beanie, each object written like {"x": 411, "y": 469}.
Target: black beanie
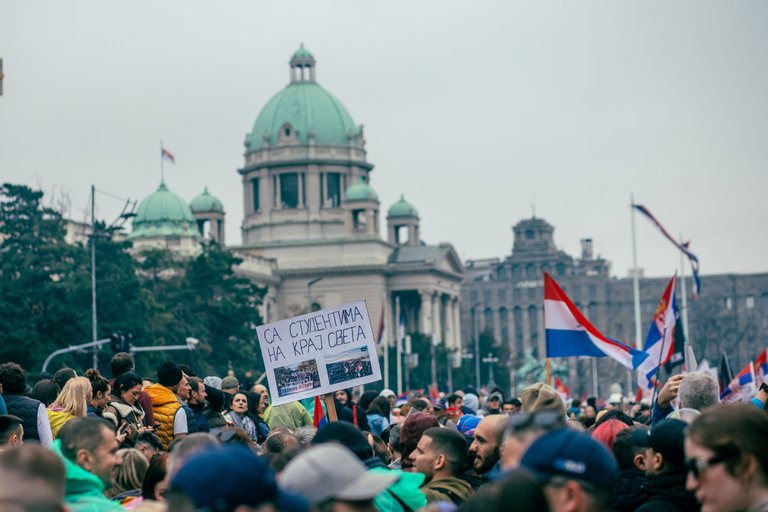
{"x": 169, "y": 374}
{"x": 346, "y": 434}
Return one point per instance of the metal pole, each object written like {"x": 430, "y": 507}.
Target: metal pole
{"x": 72, "y": 348}
{"x": 449, "y": 358}
{"x": 94, "y": 321}
{"x": 594, "y": 377}
{"x": 434, "y": 361}
{"x": 386, "y": 343}
{"x": 399, "y": 348}
{"x": 684, "y": 312}
{"x": 635, "y": 279}
{"x": 476, "y": 329}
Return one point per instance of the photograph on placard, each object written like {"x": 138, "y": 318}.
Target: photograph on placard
{"x": 297, "y": 378}
{"x": 349, "y": 365}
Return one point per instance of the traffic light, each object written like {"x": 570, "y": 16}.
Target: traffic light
{"x": 119, "y": 342}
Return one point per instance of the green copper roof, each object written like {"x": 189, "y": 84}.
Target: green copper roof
{"x": 361, "y": 191}
{"x": 302, "y": 53}
{"x": 163, "y": 213}
{"x": 402, "y": 208}
{"x": 206, "y": 202}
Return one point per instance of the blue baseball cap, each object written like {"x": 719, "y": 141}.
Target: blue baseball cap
{"x": 572, "y": 455}
{"x": 467, "y": 424}
{"x": 222, "y": 479}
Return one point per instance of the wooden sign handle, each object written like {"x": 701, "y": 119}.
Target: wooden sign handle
{"x": 330, "y": 407}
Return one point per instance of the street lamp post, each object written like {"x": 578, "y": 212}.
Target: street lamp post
{"x": 476, "y": 329}
{"x": 490, "y": 359}
{"x": 309, "y": 292}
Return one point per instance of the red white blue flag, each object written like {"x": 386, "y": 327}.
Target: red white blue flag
{"x": 660, "y": 342}
{"x": 569, "y": 333}
{"x": 167, "y": 155}
{"x": 683, "y": 246}
{"x": 742, "y": 387}
{"x": 761, "y": 368}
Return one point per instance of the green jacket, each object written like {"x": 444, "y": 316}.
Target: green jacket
{"x": 85, "y": 492}
{"x": 406, "y": 489}
{"x": 292, "y": 415}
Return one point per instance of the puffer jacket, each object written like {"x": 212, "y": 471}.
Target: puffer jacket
{"x": 57, "y": 419}
{"x": 165, "y": 404}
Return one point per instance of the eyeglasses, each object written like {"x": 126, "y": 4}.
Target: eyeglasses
{"x": 696, "y": 467}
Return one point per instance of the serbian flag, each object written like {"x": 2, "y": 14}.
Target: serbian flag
{"x": 660, "y": 342}
{"x": 319, "y": 418}
{"x": 381, "y": 333}
{"x": 167, "y": 155}
{"x": 761, "y": 368}
{"x": 569, "y": 333}
{"x": 742, "y": 387}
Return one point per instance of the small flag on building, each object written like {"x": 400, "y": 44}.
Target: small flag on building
{"x": 167, "y": 155}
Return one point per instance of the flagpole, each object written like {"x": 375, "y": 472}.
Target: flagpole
{"x": 548, "y": 373}
{"x": 399, "y": 348}
{"x": 685, "y": 298}
{"x": 162, "y": 168}
{"x": 635, "y": 278}
{"x": 386, "y": 343}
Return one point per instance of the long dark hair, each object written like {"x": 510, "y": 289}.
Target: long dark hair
{"x": 126, "y": 381}
{"x": 46, "y": 391}
{"x": 380, "y": 405}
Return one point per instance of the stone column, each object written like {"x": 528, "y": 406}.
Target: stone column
{"x": 437, "y": 319}
{"x": 526, "y": 329}
{"x": 301, "y": 177}
{"x": 542, "y": 332}
{"x": 425, "y": 316}
{"x": 497, "y": 326}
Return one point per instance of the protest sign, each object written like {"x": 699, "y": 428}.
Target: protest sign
{"x": 319, "y": 352}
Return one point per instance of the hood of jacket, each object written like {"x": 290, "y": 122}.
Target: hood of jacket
{"x": 670, "y": 487}
{"x": 160, "y": 395}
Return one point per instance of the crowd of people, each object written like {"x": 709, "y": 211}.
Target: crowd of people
{"x": 180, "y": 442}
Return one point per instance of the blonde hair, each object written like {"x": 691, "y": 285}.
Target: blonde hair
{"x": 129, "y": 475}
{"x": 73, "y": 399}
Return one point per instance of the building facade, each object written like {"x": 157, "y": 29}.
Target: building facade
{"x": 504, "y": 298}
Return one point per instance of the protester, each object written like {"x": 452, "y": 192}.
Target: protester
{"x": 522, "y": 429}
{"x": 607, "y": 430}
{"x": 696, "y": 390}
{"x": 292, "y": 415}
{"x": 11, "y": 431}
{"x": 225, "y": 479}
{"x": 124, "y": 410}
{"x": 154, "y": 485}
{"x": 71, "y": 402}
{"x": 165, "y": 404}
{"x": 129, "y": 476}
{"x": 197, "y": 402}
{"x": 629, "y": 492}
{"x": 395, "y": 447}
{"x": 45, "y": 391}
{"x": 577, "y": 472}
{"x": 492, "y": 405}
{"x": 519, "y": 490}
{"x": 241, "y": 419}
{"x": 281, "y": 446}
{"x": 100, "y": 391}
{"x": 33, "y": 414}
{"x": 62, "y": 376}
{"x": 511, "y": 406}
{"x": 378, "y": 414}
{"x": 665, "y": 467}
{"x": 351, "y": 488}
{"x": 728, "y": 459}
{"x": 440, "y": 456}
{"x": 124, "y": 362}
{"x": 89, "y": 450}
{"x": 541, "y": 396}
{"x": 410, "y": 435}
{"x": 148, "y": 444}
{"x": 32, "y": 479}
{"x": 489, "y": 435}
{"x": 470, "y": 404}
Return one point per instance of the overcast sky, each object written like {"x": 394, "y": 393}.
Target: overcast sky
{"x": 474, "y": 110}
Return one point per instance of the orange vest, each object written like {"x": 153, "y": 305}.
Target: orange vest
{"x": 164, "y": 407}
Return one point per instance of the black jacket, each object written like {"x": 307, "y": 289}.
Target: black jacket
{"x": 630, "y": 490}
{"x": 666, "y": 493}
{"x": 25, "y": 408}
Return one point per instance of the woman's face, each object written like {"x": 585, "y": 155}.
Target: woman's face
{"x": 100, "y": 400}
{"x": 341, "y": 396}
{"x": 130, "y": 395}
{"x": 240, "y": 403}
{"x": 715, "y": 488}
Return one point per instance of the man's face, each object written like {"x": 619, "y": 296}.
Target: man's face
{"x": 509, "y": 409}
{"x": 262, "y": 390}
{"x": 456, "y": 403}
{"x": 494, "y": 403}
{"x": 184, "y": 389}
{"x": 198, "y": 396}
{"x": 103, "y": 460}
{"x": 485, "y": 446}
{"x": 146, "y": 450}
{"x": 424, "y": 458}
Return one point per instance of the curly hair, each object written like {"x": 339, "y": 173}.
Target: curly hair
{"x": 13, "y": 378}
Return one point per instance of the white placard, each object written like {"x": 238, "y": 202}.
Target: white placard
{"x": 319, "y": 352}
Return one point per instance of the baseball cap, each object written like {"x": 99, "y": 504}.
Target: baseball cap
{"x": 573, "y": 455}
{"x": 666, "y": 437}
{"x": 222, "y": 479}
{"x": 229, "y": 383}
{"x": 307, "y": 476}
{"x": 467, "y": 424}
{"x": 495, "y": 396}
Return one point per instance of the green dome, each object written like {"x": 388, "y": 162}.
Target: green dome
{"x": 206, "y": 202}
{"x": 302, "y": 53}
{"x": 163, "y": 213}
{"x": 306, "y": 106}
{"x": 402, "y": 208}
{"x": 361, "y": 191}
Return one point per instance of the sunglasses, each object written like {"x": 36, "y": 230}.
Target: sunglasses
{"x": 696, "y": 467}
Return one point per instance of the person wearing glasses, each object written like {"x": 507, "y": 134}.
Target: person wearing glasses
{"x": 727, "y": 459}
{"x": 665, "y": 467}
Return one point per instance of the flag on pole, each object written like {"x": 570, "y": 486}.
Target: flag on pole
{"x": 381, "y": 334}
{"x": 569, "y": 333}
{"x": 319, "y": 419}
{"x": 742, "y": 387}
{"x": 761, "y": 368}
{"x": 725, "y": 372}
{"x": 167, "y": 155}
{"x": 682, "y": 246}
{"x": 660, "y": 342}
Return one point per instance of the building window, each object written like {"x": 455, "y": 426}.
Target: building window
{"x": 502, "y": 295}
{"x": 473, "y": 296}
{"x": 728, "y": 303}
{"x": 255, "y": 193}
{"x": 487, "y": 296}
{"x": 489, "y": 320}
{"x": 359, "y": 220}
{"x": 529, "y": 234}
{"x": 750, "y": 302}
{"x": 333, "y": 190}
{"x": 289, "y": 190}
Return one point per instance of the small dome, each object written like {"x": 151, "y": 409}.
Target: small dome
{"x": 163, "y": 213}
{"x": 206, "y": 202}
{"x": 361, "y": 191}
{"x": 302, "y": 53}
{"x": 402, "y": 208}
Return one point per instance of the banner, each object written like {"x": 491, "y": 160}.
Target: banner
{"x": 319, "y": 352}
